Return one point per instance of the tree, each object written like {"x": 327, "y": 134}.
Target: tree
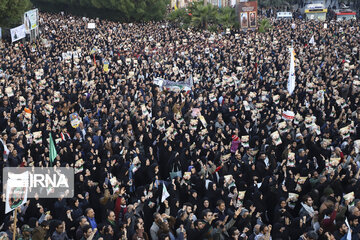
{"x": 180, "y": 16}
{"x": 155, "y": 10}
{"x": 11, "y": 12}
{"x": 227, "y": 17}
{"x": 120, "y": 10}
{"x": 264, "y": 26}
{"x": 202, "y": 16}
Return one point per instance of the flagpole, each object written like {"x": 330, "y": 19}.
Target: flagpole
{"x": 15, "y": 221}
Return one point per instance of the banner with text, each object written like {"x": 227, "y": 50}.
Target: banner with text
{"x": 173, "y": 86}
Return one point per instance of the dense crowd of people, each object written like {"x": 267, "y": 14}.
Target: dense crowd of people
{"x": 235, "y": 157}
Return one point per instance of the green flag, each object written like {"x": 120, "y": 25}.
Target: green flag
{"x": 53, "y": 152}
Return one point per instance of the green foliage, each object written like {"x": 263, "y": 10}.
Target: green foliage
{"x": 227, "y": 17}
{"x": 202, "y": 16}
{"x": 123, "y": 10}
{"x": 264, "y": 26}
{"x": 195, "y": 5}
{"x": 11, "y": 12}
{"x": 151, "y": 10}
{"x": 180, "y": 16}
{"x": 213, "y": 28}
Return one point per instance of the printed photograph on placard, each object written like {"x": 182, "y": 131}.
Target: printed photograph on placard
{"x": 244, "y": 20}
{"x": 252, "y": 19}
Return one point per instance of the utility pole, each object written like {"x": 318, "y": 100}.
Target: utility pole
{"x": 205, "y": 2}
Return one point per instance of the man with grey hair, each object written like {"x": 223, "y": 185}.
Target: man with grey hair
{"x": 255, "y": 233}
{"x": 354, "y": 211}
{"x": 155, "y": 226}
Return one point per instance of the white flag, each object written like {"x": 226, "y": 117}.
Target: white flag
{"x": 165, "y": 193}
{"x": 312, "y": 41}
{"x": 6, "y": 150}
{"x": 291, "y": 80}
{"x": 348, "y": 236}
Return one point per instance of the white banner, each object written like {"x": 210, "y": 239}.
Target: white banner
{"x": 291, "y": 80}
{"x": 31, "y": 19}
{"x": 17, "y": 33}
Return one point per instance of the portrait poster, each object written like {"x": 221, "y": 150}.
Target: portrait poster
{"x": 16, "y": 191}
{"x": 31, "y": 19}
{"x": 252, "y": 19}
{"x": 75, "y": 120}
{"x": 244, "y": 20}
{"x": 17, "y": 33}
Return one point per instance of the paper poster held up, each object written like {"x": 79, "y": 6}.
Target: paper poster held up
{"x": 91, "y": 26}
{"x": 75, "y": 120}
{"x": 16, "y": 192}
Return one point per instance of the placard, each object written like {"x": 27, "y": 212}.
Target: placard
{"x": 276, "y": 138}
{"x": 247, "y": 14}
{"x": 31, "y": 19}
{"x": 17, "y": 33}
{"x": 91, "y": 26}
